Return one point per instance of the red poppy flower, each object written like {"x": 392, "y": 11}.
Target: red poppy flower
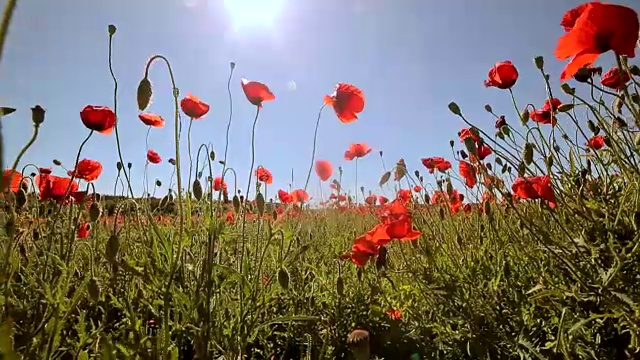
{"x": 394, "y": 314}
{"x": 152, "y": 120}
{"x": 84, "y": 230}
{"x": 546, "y": 114}
{"x": 194, "y": 107}
{"x": 500, "y": 122}
{"x": 55, "y": 187}
{"x": 417, "y": 188}
{"x": 347, "y": 101}
{"x": 284, "y": 197}
{"x": 465, "y": 133}
{"x": 357, "y": 150}
{"x": 44, "y": 171}
{"x": 436, "y": 163}
{"x": 218, "y": 184}
{"x": 593, "y": 29}
{"x": 264, "y": 175}
{"x": 87, "y": 170}
{"x": 256, "y": 92}
{"x": 371, "y": 200}
{"x": 363, "y": 250}
{"x": 299, "y": 196}
{"x": 502, "y": 75}
{"x": 230, "y": 217}
{"x": 468, "y": 172}
{"x": 596, "y": 142}
{"x": 615, "y": 79}
{"x": 98, "y": 118}
{"x": 324, "y": 170}
{"x": 12, "y": 180}
{"x": 533, "y": 188}
{"x": 404, "y": 195}
{"x": 153, "y": 157}
{"x": 382, "y": 200}
{"x": 551, "y": 104}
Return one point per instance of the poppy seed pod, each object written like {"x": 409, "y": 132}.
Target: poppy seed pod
{"x": 197, "y": 189}
{"x": 144, "y": 93}
{"x": 37, "y": 115}
{"x": 119, "y": 166}
{"x": 158, "y": 183}
{"x": 454, "y": 108}
{"x": 232, "y": 65}
{"x": 524, "y": 116}
{"x": 129, "y": 165}
{"x": 112, "y": 29}
{"x": 539, "y": 61}
{"x": 172, "y": 161}
{"x": 488, "y": 108}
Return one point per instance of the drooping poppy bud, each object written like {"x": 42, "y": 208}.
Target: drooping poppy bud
{"x": 144, "y": 93}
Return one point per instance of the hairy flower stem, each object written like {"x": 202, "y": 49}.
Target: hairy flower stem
{"x": 313, "y": 152}
{"x": 188, "y": 194}
{"x": 246, "y": 194}
{"x": 226, "y": 143}
{"x": 115, "y": 110}
{"x": 9, "y": 9}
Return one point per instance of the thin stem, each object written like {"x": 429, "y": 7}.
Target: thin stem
{"x": 253, "y": 152}
{"x": 115, "y": 110}
{"x": 226, "y": 144}
{"x": 9, "y": 9}
{"x": 355, "y": 201}
{"x": 36, "y": 128}
{"x": 313, "y": 152}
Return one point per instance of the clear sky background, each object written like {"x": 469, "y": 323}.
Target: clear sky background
{"x": 410, "y": 57}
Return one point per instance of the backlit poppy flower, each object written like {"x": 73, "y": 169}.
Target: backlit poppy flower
{"x": 12, "y": 180}
{"x": 404, "y": 195}
{"x": 256, "y": 92}
{"x": 55, "y": 187}
{"x": 299, "y": 196}
{"x": 284, "y": 197}
{"x": 502, "y": 75}
{"x": 324, "y": 170}
{"x": 87, "y": 170}
{"x": 417, "y": 188}
{"x": 357, "y": 150}
{"x": 84, "y": 230}
{"x": 347, "y": 101}
{"x": 468, "y": 172}
{"x": 482, "y": 152}
{"x": 500, "y": 122}
{"x": 596, "y": 142}
{"x": 533, "y": 188}
{"x": 230, "y": 217}
{"x": 593, "y": 29}
{"x": 194, "y": 107}
{"x": 363, "y": 250}
{"x": 436, "y": 163}
{"x": 153, "y": 157}
{"x": 218, "y": 184}
{"x": 153, "y": 120}
{"x": 546, "y": 114}
{"x": 615, "y": 79}
{"x": 382, "y": 200}
{"x": 264, "y": 175}
{"x": 98, "y": 118}
{"x": 371, "y": 200}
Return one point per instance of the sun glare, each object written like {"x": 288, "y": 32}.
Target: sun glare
{"x": 250, "y": 13}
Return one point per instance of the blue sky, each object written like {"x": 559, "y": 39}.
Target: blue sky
{"x": 410, "y": 57}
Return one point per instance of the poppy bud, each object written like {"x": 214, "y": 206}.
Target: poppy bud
{"x": 94, "y": 211}
{"x": 197, "y": 189}
{"x": 232, "y": 65}
{"x": 236, "y": 203}
{"x": 565, "y": 108}
{"x": 37, "y": 115}
{"x": 158, "y": 183}
{"x": 381, "y": 260}
{"x": 340, "y": 170}
{"x": 527, "y": 153}
{"x": 500, "y": 122}
{"x": 385, "y": 178}
{"x": 568, "y": 89}
{"x": 113, "y": 245}
{"x": 380, "y": 152}
{"x": 441, "y": 213}
{"x": 56, "y": 162}
{"x": 427, "y": 199}
{"x": 607, "y": 141}
{"x": 522, "y": 168}
{"x": 524, "y": 116}
{"x": 634, "y": 70}
{"x": 618, "y": 102}
{"x": 362, "y": 189}
{"x": 260, "y": 203}
{"x": 539, "y": 61}
{"x": 144, "y": 93}
{"x": 33, "y": 174}
{"x": 500, "y": 134}
{"x": 504, "y": 169}
{"x": 112, "y": 29}
{"x": 488, "y": 108}
{"x": 454, "y": 108}
{"x": 172, "y": 161}
{"x": 4, "y": 111}
{"x": 417, "y": 173}
{"x": 283, "y": 278}
{"x": 470, "y": 144}
{"x": 591, "y": 125}
{"x": 36, "y": 235}
{"x": 21, "y": 198}
{"x": 451, "y": 143}
{"x": 212, "y": 155}
{"x": 489, "y": 167}
{"x": 119, "y": 166}
{"x": 93, "y": 289}
{"x": 449, "y": 188}
{"x": 463, "y": 154}
{"x": 129, "y": 165}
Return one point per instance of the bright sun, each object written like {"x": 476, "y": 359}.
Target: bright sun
{"x": 250, "y": 13}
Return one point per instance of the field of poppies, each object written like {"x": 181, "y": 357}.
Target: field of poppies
{"x": 524, "y": 244}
